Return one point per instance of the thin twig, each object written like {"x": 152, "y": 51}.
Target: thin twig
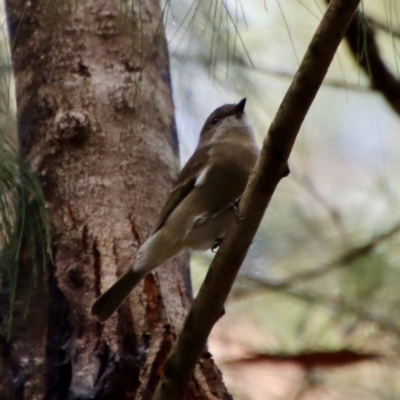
{"x": 328, "y": 82}
{"x": 342, "y": 261}
{"x": 331, "y": 82}
{"x": 270, "y": 169}
{"x": 307, "y": 184}
{"x": 333, "y": 302}
{"x": 384, "y": 27}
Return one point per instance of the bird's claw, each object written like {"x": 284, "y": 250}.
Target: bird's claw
{"x": 216, "y": 244}
{"x": 235, "y": 208}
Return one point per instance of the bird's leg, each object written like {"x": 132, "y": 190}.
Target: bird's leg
{"x": 234, "y": 208}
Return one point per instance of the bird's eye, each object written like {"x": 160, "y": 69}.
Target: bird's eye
{"x": 214, "y": 121}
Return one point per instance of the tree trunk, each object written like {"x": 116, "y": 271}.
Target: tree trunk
{"x": 96, "y": 121}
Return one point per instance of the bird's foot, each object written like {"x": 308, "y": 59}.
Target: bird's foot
{"x": 216, "y": 244}
{"x": 235, "y": 208}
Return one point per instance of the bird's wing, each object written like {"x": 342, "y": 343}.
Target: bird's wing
{"x": 185, "y": 183}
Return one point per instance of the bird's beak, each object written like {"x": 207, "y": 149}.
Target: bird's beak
{"x": 240, "y": 107}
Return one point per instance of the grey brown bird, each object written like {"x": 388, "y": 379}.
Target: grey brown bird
{"x": 202, "y": 205}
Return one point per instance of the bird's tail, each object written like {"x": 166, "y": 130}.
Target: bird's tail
{"x": 111, "y": 299}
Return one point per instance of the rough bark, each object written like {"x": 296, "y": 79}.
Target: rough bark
{"x": 96, "y": 121}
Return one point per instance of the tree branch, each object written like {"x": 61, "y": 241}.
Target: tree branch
{"x": 270, "y": 169}
{"x": 360, "y": 37}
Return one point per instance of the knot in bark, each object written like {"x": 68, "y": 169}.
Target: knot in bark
{"x": 72, "y": 125}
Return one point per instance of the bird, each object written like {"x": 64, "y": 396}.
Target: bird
{"x": 202, "y": 205}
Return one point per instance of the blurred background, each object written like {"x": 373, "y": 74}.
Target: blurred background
{"x": 315, "y": 311}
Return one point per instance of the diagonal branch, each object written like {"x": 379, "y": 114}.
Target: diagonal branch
{"x": 270, "y": 169}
